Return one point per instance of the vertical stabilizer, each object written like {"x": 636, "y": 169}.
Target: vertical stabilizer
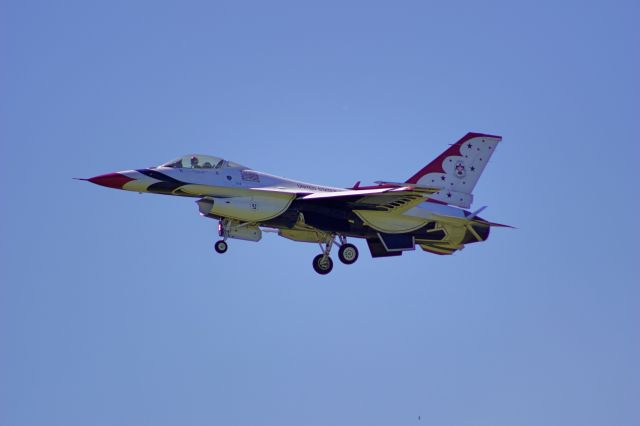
{"x": 458, "y": 169}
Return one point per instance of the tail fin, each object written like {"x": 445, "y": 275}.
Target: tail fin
{"x": 457, "y": 170}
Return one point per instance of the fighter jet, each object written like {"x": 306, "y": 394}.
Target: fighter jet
{"x": 427, "y": 210}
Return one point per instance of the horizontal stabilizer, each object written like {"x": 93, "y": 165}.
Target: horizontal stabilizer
{"x": 500, "y": 225}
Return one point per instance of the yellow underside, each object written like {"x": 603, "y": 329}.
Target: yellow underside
{"x": 390, "y": 223}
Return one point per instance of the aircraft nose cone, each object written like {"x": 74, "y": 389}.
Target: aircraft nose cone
{"x": 111, "y": 180}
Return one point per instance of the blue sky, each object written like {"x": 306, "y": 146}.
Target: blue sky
{"x": 114, "y": 309}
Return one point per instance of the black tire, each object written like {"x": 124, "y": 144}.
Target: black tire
{"x": 221, "y": 246}
{"x": 348, "y": 254}
{"x": 322, "y": 265}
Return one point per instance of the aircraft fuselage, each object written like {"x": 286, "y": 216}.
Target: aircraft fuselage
{"x": 427, "y": 210}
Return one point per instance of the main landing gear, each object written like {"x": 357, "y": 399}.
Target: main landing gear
{"x": 322, "y": 263}
{"x": 347, "y": 253}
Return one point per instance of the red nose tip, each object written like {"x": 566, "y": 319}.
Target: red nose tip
{"x": 111, "y": 180}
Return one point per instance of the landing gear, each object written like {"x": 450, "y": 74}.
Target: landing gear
{"x": 348, "y": 254}
{"x": 221, "y": 246}
{"x": 322, "y": 264}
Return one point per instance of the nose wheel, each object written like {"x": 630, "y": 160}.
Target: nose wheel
{"x": 221, "y": 246}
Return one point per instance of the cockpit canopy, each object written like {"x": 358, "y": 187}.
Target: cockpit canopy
{"x": 197, "y": 161}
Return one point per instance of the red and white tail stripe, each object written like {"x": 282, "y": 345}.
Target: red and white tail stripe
{"x": 457, "y": 170}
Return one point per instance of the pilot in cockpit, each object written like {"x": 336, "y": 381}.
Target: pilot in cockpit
{"x": 194, "y": 162}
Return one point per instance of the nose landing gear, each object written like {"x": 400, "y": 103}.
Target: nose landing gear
{"x": 221, "y": 246}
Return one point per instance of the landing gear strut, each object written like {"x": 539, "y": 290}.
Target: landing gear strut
{"x": 348, "y": 254}
{"x": 221, "y": 246}
{"x": 322, "y": 263}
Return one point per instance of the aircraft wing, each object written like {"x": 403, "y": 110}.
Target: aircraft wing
{"x": 378, "y": 199}
{"x": 352, "y": 193}
{"x": 388, "y": 188}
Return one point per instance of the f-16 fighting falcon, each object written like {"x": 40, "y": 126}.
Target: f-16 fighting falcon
{"x": 427, "y": 210}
